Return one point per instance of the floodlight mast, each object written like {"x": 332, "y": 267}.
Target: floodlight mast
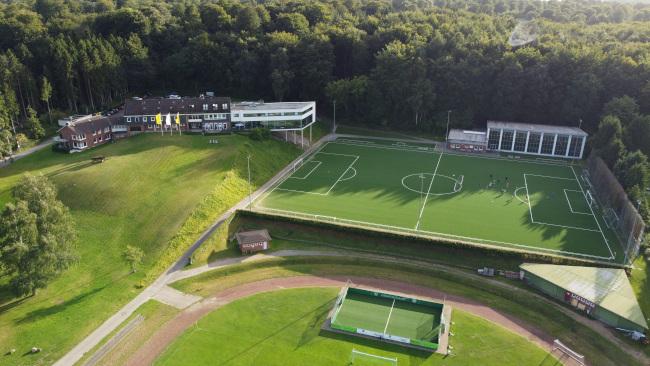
{"x": 250, "y": 189}
{"x": 447, "y": 134}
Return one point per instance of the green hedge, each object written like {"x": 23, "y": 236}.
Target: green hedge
{"x": 344, "y": 328}
{"x": 425, "y": 344}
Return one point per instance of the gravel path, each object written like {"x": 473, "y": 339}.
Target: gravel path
{"x": 147, "y": 354}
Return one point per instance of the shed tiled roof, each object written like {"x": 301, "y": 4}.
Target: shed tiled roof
{"x": 254, "y": 236}
{"x": 88, "y": 125}
{"x": 153, "y": 106}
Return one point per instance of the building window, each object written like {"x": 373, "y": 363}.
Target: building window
{"x": 520, "y": 141}
{"x": 547, "y": 144}
{"x": 506, "y": 140}
{"x": 205, "y": 107}
{"x": 576, "y": 146}
{"x": 128, "y": 119}
{"x": 533, "y": 142}
{"x": 493, "y": 139}
{"x": 224, "y": 106}
{"x": 561, "y": 145}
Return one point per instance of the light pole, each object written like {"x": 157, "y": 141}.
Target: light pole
{"x": 334, "y": 125}
{"x": 447, "y": 133}
{"x": 250, "y": 189}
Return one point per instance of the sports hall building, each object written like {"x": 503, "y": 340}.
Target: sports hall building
{"x": 534, "y": 139}
{"x": 601, "y": 293}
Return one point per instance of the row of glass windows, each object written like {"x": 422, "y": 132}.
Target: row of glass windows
{"x": 516, "y": 141}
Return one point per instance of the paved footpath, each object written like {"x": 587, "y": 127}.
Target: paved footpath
{"x": 160, "y": 284}
{"x": 160, "y": 290}
{"x": 29, "y": 151}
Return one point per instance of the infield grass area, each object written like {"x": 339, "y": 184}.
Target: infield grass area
{"x": 538, "y": 205}
{"x": 283, "y": 328}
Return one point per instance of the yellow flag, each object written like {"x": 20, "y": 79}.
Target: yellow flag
{"x": 178, "y": 119}
{"x": 158, "y": 119}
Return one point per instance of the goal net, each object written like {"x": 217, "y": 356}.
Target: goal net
{"x": 566, "y": 351}
{"x": 611, "y": 218}
{"x": 364, "y": 358}
{"x": 590, "y": 199}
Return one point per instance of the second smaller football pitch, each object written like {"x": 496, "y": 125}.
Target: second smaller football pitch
{"x": 531, "y": 204}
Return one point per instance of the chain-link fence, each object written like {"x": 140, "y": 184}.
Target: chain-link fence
{"x": 620, "y": 214}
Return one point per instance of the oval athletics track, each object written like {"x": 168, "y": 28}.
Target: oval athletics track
{"x": 155, "y": 346}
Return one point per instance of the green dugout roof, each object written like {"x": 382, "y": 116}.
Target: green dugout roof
{"x": 608, "y": 288}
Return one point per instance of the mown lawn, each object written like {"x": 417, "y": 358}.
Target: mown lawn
{"x": 520, "y": 303}
{"x": 283, "y": 328}
{"x": 155, "y": 192}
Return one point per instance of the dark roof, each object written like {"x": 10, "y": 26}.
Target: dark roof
{"x": 152, "y": 106}
{"x": 88, "y": 125}
{"x": 254, "y": 236}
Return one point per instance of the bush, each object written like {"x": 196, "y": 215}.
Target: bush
{"x": 260, "y": 134}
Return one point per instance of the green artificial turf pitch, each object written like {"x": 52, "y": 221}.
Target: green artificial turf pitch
{"x": 388, "y": 316}
{"x": 532, "y": 204}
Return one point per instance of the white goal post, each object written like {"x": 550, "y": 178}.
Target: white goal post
{"x": 590, "y": 198}
{"x": 381, "y": 360}
{"x": 298, "y": 164}
{"x": 557, "y": 345}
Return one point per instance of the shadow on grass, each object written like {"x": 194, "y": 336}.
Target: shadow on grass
{"x": 320, "y": 310}
{"x": 378, "y": 345}
{"x": 47, "y": 311}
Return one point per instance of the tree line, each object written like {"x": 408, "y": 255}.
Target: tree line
{"x": 400, "y": 64}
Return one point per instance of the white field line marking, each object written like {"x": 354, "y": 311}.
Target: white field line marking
{"x": 284, "y": 178}
{"x": 318, "y": 163}
{"x": 385, "y": 147}
{"x": 327, "y": 153}
{"x": 567, "y": 226}
{"x": 346, "y": 170}
{"x": 353, "y": 175}
{"x": 594, "y": 215}
{"x": 456, "y": 182}
{"x": 417, "y": 224}
{"x": 569, "y": 202}
{"x": 515, "y": 194}
{"x": 389, "y": 314}
{"x": 530, "y": 208}
{"x": 550, "y": 177}
{"x": 298, "y": 191}
{"x": 366, "y": 224}
{"x": 546, "y": 223}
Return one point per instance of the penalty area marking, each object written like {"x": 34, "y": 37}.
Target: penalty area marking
{"x": 318, "y": 163}
{"x": 353, "y": 175}
{"x": 519, "y": 198}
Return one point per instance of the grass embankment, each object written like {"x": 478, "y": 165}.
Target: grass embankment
{"x": 287, "y": 235}
{"x": 155, "y": 192}
{"x": 640, "y": 281}
{"x": 283, "y": 328}
{"x": 519, "y": 303}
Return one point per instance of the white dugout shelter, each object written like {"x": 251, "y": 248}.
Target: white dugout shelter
{"x": 534, "y": 139}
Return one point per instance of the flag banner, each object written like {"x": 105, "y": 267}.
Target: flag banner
{"x": 168, "y": 120}
{"x": 158, "y": 119}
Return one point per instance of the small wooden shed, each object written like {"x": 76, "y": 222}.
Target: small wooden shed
{"x": 253, "y": 241}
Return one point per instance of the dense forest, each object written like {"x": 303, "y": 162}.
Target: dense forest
{"x": 399, "y": 64}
